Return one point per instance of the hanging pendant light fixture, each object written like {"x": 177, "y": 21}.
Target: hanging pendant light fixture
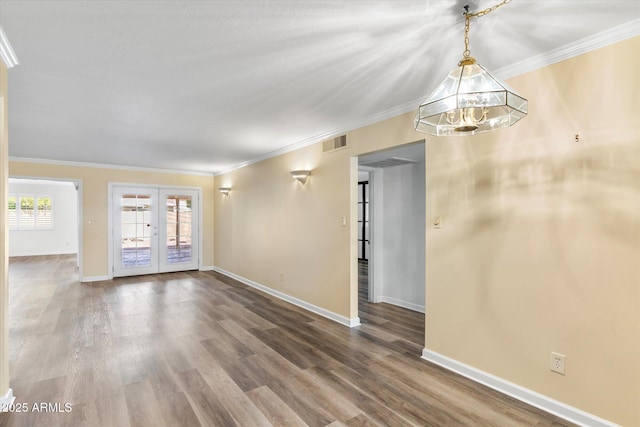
{"x": 470, "y": 100}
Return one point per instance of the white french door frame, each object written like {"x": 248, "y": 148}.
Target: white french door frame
{"x": 110, "y": 218}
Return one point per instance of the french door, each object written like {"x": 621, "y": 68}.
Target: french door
{"x": 155, "y": 230}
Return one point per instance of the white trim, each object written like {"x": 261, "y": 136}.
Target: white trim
{"x": 369, "y": 120}
{"x": 80, "y": 194}
{"x": 587, "y": 44}
{"x": 525, "y": 395}
{"x": 295, "y": 301}
{"x": 7, "y": 54}
{"x": 207, "y": 268}
{"x": 200, "y": 228}
{"x": 110, "y": 263}
{"x": 110, "y": 187}
{"x": 376, "y": 231}
{"x": 40, "y": 253}
{"x": 292, "y": 147}
{"x": 400, "y": 303}
{"x": 95, "y": 279}
{"x": 7, "y": 399}
{"x": 579, "y": 47}
{"x": 105, "y": 166}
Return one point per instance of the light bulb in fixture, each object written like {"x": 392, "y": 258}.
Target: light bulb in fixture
{"x": 470, "y": 100}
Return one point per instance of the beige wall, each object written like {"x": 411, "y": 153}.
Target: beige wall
{"x": 540, "y": 245}
{"x": 539, "y": 248}
{"x": 289, "y": 237}
{"x": 95, "y": 201}
{"x": 4, "y": 247}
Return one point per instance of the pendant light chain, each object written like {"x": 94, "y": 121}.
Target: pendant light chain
{"x": 467, "y": 19}
{"x": 470, "y": 100}
{"x": 488, "y": 10}
{"x": 466, "y": 52}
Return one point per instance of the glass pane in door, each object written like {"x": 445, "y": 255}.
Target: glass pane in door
{"x": 135, "y": 219}
{"x": 179, "y": 232}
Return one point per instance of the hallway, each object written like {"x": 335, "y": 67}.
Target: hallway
{"x": 404, "y": 323}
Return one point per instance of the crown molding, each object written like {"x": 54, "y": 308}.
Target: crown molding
{"x": 369, "y": 120}
{"x": 295, "y": 146}
{"x": 7, "y": 54}
{"x": 106, "y": 166}
{"x": 579, "y": 47}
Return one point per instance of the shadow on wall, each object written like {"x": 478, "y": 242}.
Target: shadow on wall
{"x": 556, "y": 202}
{"x": 593, "y": 181}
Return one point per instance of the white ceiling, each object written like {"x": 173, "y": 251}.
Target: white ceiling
{"x": 207, "y": 85}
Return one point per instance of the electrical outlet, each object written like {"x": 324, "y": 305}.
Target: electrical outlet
{"x": 282, "y": 277}
{"x": 557, "y": 363}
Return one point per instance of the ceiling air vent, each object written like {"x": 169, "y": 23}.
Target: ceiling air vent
{"x": 334, "y": 144}
{"x": 392, "y": 161}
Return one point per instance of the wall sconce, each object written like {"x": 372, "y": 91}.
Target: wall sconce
{"x": 225, "y": 190}
{"x": 301, "y": 175}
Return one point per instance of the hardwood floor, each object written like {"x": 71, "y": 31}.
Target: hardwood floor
{"x": 400, "y": 322}
{"x": 198, "y": 348}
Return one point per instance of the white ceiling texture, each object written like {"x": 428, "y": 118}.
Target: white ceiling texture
{"x": 208, "y": 85}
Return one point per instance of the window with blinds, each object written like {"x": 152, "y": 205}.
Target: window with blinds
{"x": 30, "y": 212}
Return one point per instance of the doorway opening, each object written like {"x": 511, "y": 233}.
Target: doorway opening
{"x": 44, "y": 217}
{"x": 392, "y": 221}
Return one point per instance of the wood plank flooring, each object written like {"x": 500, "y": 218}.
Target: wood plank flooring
{"x": 198, "y": 348}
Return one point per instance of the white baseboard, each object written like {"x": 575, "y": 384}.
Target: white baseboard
{"x": 7, "y": 399}
{"x": 86, "y": 279}
{"x": 295, "y": 301}
{"x": 40, "y": 253}
{"x": 207, "y": 268}
{"x": 525, "y": 395}
{"x": 400, "y": 303}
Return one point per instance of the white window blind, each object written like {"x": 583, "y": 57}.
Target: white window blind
{"x": 43, "y": 216}
{"x": 13, "y": 212}
{"x": 30, "y": 212}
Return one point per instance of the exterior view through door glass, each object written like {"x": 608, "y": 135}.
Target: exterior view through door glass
{"x": 178, "y": 229}
{"x": 154, "y": 230}
{"x": 135, "y": 231}
{"x": 179, "y": 250}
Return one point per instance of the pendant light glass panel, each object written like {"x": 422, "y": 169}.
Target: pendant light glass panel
{"x": 469, "y": 101}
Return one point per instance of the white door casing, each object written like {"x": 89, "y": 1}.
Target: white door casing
{"x": 154, "y": 230}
